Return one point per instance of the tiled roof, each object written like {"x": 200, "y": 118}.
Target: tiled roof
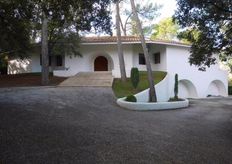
{"x": 127, "y": 39}
{"x": 108, "y": 39}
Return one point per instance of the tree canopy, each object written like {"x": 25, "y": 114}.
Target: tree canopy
{"x": 146, "y": 12}
{"x": 60, "y": 20}
{"x": 57, "y": 24}
{"x": 208, "y": 25}
{"x": 166, "y": 29}
{"x": 20, "y": 21}
{"x": 67, "y": 18}
{"x": 15, "y": 26}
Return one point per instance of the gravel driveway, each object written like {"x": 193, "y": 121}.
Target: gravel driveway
{"x": 84, "y": 125}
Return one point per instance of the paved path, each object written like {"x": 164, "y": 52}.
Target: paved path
{"x": 89, "y": 79}
{"x": 84, "y": 125}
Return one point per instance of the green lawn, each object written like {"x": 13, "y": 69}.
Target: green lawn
{"x": 124, "y": 89}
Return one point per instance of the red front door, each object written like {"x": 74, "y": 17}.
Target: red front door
{"x": 101, "y": 64}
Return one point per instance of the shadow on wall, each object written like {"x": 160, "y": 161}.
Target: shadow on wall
{"x": 17, "y": 66}
{"x": 216, "y": 88}
{"x": 187, "y": 89}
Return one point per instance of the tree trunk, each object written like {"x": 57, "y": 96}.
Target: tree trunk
{"x": 123, "y": 29}
{"x": 119, "y": 41}
{"x": 44, "y": 52}
{"x": 152, "y": 93}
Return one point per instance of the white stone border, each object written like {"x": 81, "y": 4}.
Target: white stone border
{"x": 145, "y": 106}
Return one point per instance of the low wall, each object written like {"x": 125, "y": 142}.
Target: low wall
{"x": 162, "y": 92}
{"x": 143, "y": 106}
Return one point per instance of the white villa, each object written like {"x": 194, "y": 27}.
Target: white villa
{"x": 100, "y": 54}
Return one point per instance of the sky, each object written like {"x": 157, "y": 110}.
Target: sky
{"x": 168, "y": 9}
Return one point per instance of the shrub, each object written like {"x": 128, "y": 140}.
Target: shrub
{"x": 3, "y": 65}
{"x": 230, "y": 90}
{"x": 135, "y": 77}
{"x": 3, "y": 70}
{"x": 176, "y": 87}
{"x": 131, "y": 98}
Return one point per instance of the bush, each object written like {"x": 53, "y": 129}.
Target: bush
{"x": 176, "y": 87}
{"x": 230, "y": 90}
{"x": 3, "y": 70}
{"x": 3, "y": 65}
{"x": 135, "y": 77}
{"x": 131, "y": 98}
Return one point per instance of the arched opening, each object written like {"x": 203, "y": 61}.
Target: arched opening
{"x": 216, "y": 88}
{"x": 187, "y": 89}
{"x": 101, "y": 64}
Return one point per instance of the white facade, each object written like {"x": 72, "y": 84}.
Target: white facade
{"x": 192, "y": 82}
{"x": 173, "y": 59}
{"x": 75, "y": 64}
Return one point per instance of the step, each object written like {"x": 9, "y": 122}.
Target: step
{"x": 90, "y": 79}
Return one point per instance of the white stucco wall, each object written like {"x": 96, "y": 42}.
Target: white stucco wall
{"x": 174, "y": 59}
{"x": 16, "y": 66}
{"x": 75, "y": 64}
{"x": 177, "y": 62}
{"x": 162, "y": 66}
{"x": 28, "y": 65}
{"x": 35, "y": 63}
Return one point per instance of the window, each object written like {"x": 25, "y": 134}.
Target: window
{"x": 157, "y": 58}
{"x": 142, "y": 59}
{"x": 56, "y": 61}
{"x": 59, "y": 61}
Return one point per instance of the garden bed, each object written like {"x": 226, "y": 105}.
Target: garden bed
{"x": 27, "y": 79}
{"x": 123, "y": 89}
{"x": 148, "y": 106}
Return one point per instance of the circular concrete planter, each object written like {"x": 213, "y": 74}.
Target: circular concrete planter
{"x": 144, "y": 106}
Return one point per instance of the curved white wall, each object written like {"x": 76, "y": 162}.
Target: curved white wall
{"x": 178, "y": 62}
{"x": 216, "y": 88}
{"x": 161, "y": 92}
{"x": 213, "y": 90}
{"x": 187, "y": 89}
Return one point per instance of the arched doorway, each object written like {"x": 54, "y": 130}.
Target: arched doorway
{"x": 101, "y": 64}
{"x": 187, "y": 89}
{"x": 216, "y": 88}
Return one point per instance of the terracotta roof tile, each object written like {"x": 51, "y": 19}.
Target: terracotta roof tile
{"x": 108, "y": 39}
{"x": 130, "y": 39}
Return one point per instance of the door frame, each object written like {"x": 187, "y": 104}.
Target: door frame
{"x": 108, "y": 57}
{"x": 107, "y": 63}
